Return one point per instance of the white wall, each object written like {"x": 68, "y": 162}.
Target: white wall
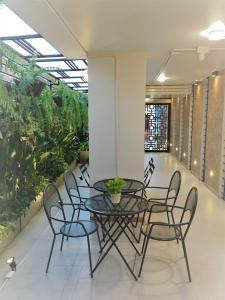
{"x": 116, "y": 115}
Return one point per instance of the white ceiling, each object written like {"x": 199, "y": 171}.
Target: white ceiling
{"x": 78, "y": 27}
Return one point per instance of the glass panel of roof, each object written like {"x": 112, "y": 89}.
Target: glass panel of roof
{"x": 80, "y": 64}
{"x": 11, "y": 24}
{"x": 55, "y": 74}
{"x": 70, "y": 84}
{"x": 78, "y": 73}
{"x": 42, "y": 46}
{"x": 80, "y": 89}
{"x": 72, "y": 80}
{"x": 17, "y": 48}
{"x": 85, "y": 84}
{"x": 53, "y": 64}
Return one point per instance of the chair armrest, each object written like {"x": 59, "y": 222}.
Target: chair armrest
{"x": 70, "y": 222}
{"x": 157, "y": 199}
{"x": 157, "y": 187}
{"x": 161, "y": 199}
{"x": 85, "y": 186}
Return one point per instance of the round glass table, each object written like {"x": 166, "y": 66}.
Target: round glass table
{"x": 129, "y": 205}
{"x": 130, "y": 186}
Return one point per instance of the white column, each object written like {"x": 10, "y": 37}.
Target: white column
{"x": 102, "y": 118}
{"x": 131, "y": 79}
{"x": 116, "y": 115}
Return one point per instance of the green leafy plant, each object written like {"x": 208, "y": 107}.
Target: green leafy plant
{"x": 38, "y": 138}
{"x": 114, "y": 186}
{"x": 30, "y": 79}
{"x": 84, "y": 146}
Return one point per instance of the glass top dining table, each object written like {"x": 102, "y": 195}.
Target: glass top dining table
{"x": 129, "y": 187}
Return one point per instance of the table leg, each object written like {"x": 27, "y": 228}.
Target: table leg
{"x": 126, "y": 223}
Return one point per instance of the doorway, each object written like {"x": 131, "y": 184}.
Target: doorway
{"x": 157, "y": 127}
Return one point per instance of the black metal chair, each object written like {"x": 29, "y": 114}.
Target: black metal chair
{"x": 166, "y": 203}
{"x": 73, "y": 191}
{"x": 170, "y": 198}
{"x": 169, "y": 232}
{"x": 148, "y": 172}
{"x": 84, "y": 174}
{"x": 150, "y": 165}
{"x": 54, "y": 207}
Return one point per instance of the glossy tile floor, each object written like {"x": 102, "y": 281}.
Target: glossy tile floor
{"x": 164, "y": 275}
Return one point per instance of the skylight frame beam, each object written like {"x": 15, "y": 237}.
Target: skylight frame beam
{"x": 20, "y": 37}
{"x": 46, "y": 56}
{"x": 26, "y": 46}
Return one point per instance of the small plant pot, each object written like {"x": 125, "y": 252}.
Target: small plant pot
{"x": 57, "y": 100}
{"x": 8, "y": 87}
{"x": 115, "y": 198}
{"x": 84, "y": 156}
{"x": 36, "y": 88}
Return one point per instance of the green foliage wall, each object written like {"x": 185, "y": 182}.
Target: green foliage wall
{"x": 39, "y": 136}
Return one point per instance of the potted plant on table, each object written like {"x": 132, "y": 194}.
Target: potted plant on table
{"x": 114, "y": 187}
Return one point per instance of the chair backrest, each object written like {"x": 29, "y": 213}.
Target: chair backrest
{"x": 52, "y": 200}
{"x": 71, "y": 186}
{"x": 85, "y": 174}
{"x": 150, "y": 165}
{"x": 174, "y": 188}
{"x": 189, "y": 209}
{"x": 149, "y": 172}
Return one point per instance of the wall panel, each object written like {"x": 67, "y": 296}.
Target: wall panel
{"x": 214, "y": 132}
{"x": 186, "y": 112}
{"x": 197, "y": 128}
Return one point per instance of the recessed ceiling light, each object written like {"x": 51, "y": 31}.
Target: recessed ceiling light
{"x": 215, "y": 32}
{"x": 196, "y": 82}
{"x": 215, "y": 73}
{"x": 162, "y": 77}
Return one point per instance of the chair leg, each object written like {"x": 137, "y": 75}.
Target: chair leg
{"x": 74, "y": 210}
{"x": 174, "y": 223}
{"x": 143, "y": 257}
{"x": 78, "y": 214}
{"x": 62, "y": 242}
{"x": 99, "y": 241}
{"x": 186, "y": 260}
{"x": 142, "y": 222}
{"x": 50, "y": 254}
{"x": 143, "y": 245}
{"x": 89, "y": 254}
{"x": 168, "y": 217}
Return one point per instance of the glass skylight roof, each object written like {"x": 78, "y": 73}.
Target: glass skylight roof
{"x": 56, "y": 74}
{"x": 11, "y": 24}
{"x": 42, "y": 46}
{"x": 53, "y": 64}
{"x": 80, "y": 64}
{"x": 67, "y": 80}
{"x": 16, "y": 47}
{"x": 83, "y": 74}
{"x": 24, "y": 40}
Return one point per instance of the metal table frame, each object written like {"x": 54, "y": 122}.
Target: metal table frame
{"x": 121, "y": 221}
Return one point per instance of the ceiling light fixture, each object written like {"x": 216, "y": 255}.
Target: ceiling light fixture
{"x": 215, "y": 32}
{"x": 215, "y": 73}
{"x": 162, "y": 77}
{"x": 196, "y": 82}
